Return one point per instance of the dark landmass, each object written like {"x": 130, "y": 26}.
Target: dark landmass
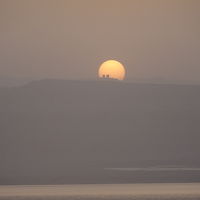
{"x": 54, "y": 132}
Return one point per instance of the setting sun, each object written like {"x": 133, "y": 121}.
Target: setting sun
{"x": 112, "y": 69}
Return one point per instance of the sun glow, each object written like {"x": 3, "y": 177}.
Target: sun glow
{"x": 112, "y": 69}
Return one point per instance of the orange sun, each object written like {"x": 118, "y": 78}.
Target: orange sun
{"x": 112, "y": 69}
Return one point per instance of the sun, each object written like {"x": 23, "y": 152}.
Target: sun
{"x": 112, "y": 69}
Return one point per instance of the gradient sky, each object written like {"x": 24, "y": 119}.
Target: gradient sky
{"x": 155, "y": 39}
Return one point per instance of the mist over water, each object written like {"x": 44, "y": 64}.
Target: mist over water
{"x": 65, "y": 134}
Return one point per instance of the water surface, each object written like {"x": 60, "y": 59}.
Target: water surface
{"x": 167, "y": 191}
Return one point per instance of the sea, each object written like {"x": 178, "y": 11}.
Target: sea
{"x": 147, "y": 191}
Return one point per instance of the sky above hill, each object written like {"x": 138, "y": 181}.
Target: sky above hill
{"x": 154, "y": 39}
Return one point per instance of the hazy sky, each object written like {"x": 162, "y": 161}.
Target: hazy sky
{"x": 155, "y": 39}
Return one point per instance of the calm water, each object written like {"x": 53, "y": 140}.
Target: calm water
{"x": 189, "y": 191}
